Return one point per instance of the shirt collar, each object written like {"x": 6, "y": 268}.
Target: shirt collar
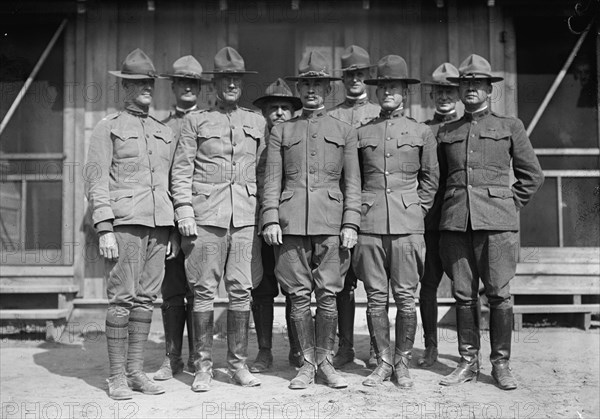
{"x": 396, "y": 113}
{"x": 357, "y": 100}
{"x": 445, "y": 117}
{"x": 476, "y": 116}
{"x": 136, "y": 110}
{"x": 181, "y": 112}
{"x": 313, "y": 113}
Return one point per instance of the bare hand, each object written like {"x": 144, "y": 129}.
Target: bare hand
{"x": 173, "y": 245}
{"x": 108, "y": 246}
{"x": 349, "y": 237}
{"x": 187, "y": 227}
{"x": 272, "y": 235}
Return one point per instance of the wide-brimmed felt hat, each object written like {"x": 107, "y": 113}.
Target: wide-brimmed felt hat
{"x": 186, "y": 67}
{"x": 355, "y": 58}
{"x": 278, "y": 90}
{"x": 441, "y": 74}
{"x": 392, "y": 68}
{"x": 312, "y": 66}
{"x": 137, "y": 65}
{"x": 229, "y": 61}
{"x": 475, "y": 67}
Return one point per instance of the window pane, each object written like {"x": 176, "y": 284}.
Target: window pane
{"x": 44, "y": 215}
{"x": 581, "y": 212}
{"x": 539, "y": 219}
{"x": 570, "y": 162}
{"x": 10, "y": 216}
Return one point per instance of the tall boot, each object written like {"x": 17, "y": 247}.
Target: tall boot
{"x": 373, "y": 362}
{"x": 304, "y": 330}
{"x": 346, "y": 309}
{"x": 203, "y": 324}
{"x": 325, "y": 338}
{"x": 263, "y": 322}
{"x": 116, "y": 340}
{"x": 379, "y": 329}
{"x": 467, "y": 325}
{"x": 140, "y": 320}
{"x": 295, "y": 357}
{"x": 173, "y": 323}
{"x": 501, "y": 322}
{"x": 237, "y": 348}
{"x": 406, "y": 329}
{"x": 189, "y": 324}
{"x": 429, "y": 314}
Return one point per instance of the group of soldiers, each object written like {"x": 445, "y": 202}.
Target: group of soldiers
{"x": 307, "y": 200}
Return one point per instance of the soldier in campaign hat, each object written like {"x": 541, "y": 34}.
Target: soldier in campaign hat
{"x": 479, "y": 223}
{"x": 311, "y": 213}
{"x": 213, "y": 183}
{"x": 277, "y": 105}
{"x": 127, "y": 188}
{"x": 400, "y": 178}
{"x": 178, "y": 298}
{"x": 356, "y": 110}
{"x": 444, "y": 95}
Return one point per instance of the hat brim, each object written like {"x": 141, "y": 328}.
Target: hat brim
{"x": 296, "y": 78}
{"x": 438, "y": 83}
{"x": 295, "y": 101}
{"x": 492, "y": 79}
{"x": 122, "y": 75}
{"x": 361, "y": 67}
{"x": 240, "y": 72}
{"x": 181, "y": 76}
{"x": 375, "y": 82}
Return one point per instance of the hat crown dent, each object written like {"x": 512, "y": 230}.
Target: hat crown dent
{"x": 228, "y": 59}
{"x": 355, "y": 57}
{"x": 137, "y": 62}
{"x": 392, "y": 66}
{"x": 313, "y": 63}
{"x": 187, "y": 66}
{"x": 440, "y": 75}
{"x": 475, "y": 64}
{"x": 279, "y": 88}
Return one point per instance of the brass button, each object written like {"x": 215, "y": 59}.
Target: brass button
{"x": 388, "y": 155}
{"x": 314, "y": 135}
{"x": 388, "y": 190}
{"x": 470, "y": 186}
{"x": 149, "y": 151}
{"x": 233, "y": 163}
{"x": 234, "y": 144}
{"x": 388, "y": 138}
{"x": 387, "y": 173}
{"x": 313, "y": 153}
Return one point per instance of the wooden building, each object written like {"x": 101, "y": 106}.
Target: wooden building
{"x": 49, "y": 259}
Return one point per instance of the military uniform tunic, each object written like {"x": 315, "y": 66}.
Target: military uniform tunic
{"x": 399, "y": 180}
{"x": 479, "y": 220}
{"x": 355, "y": 112}
{"x": 214, "y": 181}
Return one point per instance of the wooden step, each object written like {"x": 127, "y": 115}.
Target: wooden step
{"x": 39, "y": 314}
{"x": 555, "y": 285}
{"x": 39, "y": 289}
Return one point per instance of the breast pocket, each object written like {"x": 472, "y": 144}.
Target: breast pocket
{"x": 293, "y": 154}
{"x": 334, "y": 154}
{"x": 409, "y": 149}
{"x": 209, "y": 143}
{"x": 163, "y": 145}
{"x": 496, "y": 146}
{"x": 125, "y": 144}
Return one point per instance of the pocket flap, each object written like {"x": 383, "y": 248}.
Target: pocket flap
{"x": 290, "y": 142}
{"x": 368, "y": 142}
{"x": 450, "y": 138}
{"x": 124, "y": 135}
{"x": 410, "y": 140}
{"x": 338, "y": 141}
{"x": 410, "y": 198}
{"x": 449, "y": 193}
{"x": 251, "y": 188}
{"x": 163, "y": 136}
{"x": 335, "y": 195}
{"x": 210, "y": 132}
{"x": 253, "y": 132}
{"x": 202, "y": 189}
{"x": 118, "y": 195}
{"x": 495, "y": 134}
{"x": 368, "y": 198}
{"x": 285, "y": 195}
{"x": 503, "y": 193}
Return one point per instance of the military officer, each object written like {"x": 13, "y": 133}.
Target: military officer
{"x": 214, "y": 192}
{"x": 479, "y": 219}
{"x": 127, "y": 187}
{"x": 400, "y": 176}
{"x": 356, "y": 110}
{"x": 444, "y": 95}
{"x": 311, "y": 213}
{"x": 278, "y": 105}
{"x": 178, "y": 298}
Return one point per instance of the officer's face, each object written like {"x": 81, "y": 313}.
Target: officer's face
{"x": 444, "y": 97}
{"x": 391, "y": 94}
{"x": 278, "y": 111}
{"x": 473, "y": 93}
{"x": 186, "y": 91}
{"x": 228, "y": 87}
{"x": 313, "y": 92}
{"x": 354, "y": 82}
{"x": 139, "y": 91}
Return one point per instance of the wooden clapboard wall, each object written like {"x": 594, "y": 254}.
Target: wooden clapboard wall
{"x": 422, "y": 33}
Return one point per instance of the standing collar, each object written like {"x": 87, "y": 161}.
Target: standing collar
{"x": 358, "y": 100}
{"x": 476, "y": 116}
{"x": 226, "y": 107}
{"x": 445, "y": 117}
{"x": 313, "y": 113}
{"x": 180, "y": 112}
{"x": 136, "y": 110}
{"x": 396, "y": 113}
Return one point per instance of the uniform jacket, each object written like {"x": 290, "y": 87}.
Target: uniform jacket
{"x": 476, "y": 158}
{"x": 355, "y": 112}
{"x": 214, "y": 169}
{"x": 127, "y": 171}
{"x": 175, "y": 121}
{"x": 400, "y": 174}
{"x": 312, "y": 178}
{"x": 432, "y": 219}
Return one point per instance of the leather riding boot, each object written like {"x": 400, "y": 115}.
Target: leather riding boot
{"x": 140, "y": 320}
{"x": 263, "y": 322}
{"x": 295, "y": 357}
{"x": 467, "y": 326}
{"x": 116, "y": 340}
{"x": 173, "y": 323}
{"x": 429, "y": 314}
{"x": 189, "y": 324}
{"x": 406, "y": 329}
{"x": 346, "y": 309}
{"x": 203, "y": 325}
{"x": 379, "y": 329}
{"x": 325, "y": 338}
{"x": 501, "y": 322}
{"x": 304, "y": 330}
{"x": 237, "y": 348}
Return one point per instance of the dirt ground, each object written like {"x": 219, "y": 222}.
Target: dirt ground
{"x": 557, "y": 370}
